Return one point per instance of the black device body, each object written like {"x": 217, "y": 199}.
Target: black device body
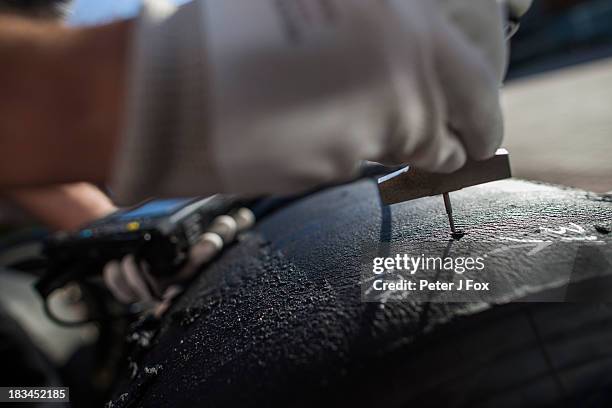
{"x": 159, "y": 232}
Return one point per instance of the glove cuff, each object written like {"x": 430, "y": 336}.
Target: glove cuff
{"x": 164, "y": 148}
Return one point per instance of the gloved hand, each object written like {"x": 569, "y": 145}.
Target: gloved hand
{"x": 476, "y": 20}
{"x": 131, "y": 282}
{"x": 516, "y": 8}
{"x": 260, "y": 96}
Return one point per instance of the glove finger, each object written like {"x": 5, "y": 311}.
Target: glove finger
{"x": 115, "y": 281}
{"x": 418, "y": 132}
{"x": 171, "y": 292}
{"x": 471, "y": 93}
{"x": 134, "y": 278}
{"x": 244, "y": 218}
{"x": 518, "y": 7}
{"x": 224, "y": 226}
{"x": 421, "y": 136}
{"x": 443, "y": 153}
{"x": 209, "y": 245}
{"x": 456, "y": 156}
{"x": 166, "y": 300}
{"x": 154, "y": 284}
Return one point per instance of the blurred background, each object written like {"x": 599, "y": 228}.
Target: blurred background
{"x": 558, "y": 97}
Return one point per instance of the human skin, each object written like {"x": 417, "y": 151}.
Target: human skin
{"x": 61, "y": 114}
{"x": 62, "y": 100}
{"x": 64, "y": 206}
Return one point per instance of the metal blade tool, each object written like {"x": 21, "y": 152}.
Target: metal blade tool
{"x": 410, "y": 183}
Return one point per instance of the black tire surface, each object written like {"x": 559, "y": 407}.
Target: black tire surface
{"x": 279, "y": 318}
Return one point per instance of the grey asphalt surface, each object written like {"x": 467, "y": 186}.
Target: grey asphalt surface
{"x": 559, "y": 126}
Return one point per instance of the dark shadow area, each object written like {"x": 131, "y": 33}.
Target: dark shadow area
{"x": 560, "y": 33}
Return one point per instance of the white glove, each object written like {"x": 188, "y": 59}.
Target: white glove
{"x": 477, "y": 20}
{"x": 131, "y": 282}
{"x": 517, "y": 8}
{"x": 261, "y": 96}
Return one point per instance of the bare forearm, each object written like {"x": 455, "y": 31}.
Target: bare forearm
{"x": 63, "y": 207}
{"x": 62, "y": 100}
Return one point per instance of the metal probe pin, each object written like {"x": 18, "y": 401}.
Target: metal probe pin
{"x": 449, "y": 212}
